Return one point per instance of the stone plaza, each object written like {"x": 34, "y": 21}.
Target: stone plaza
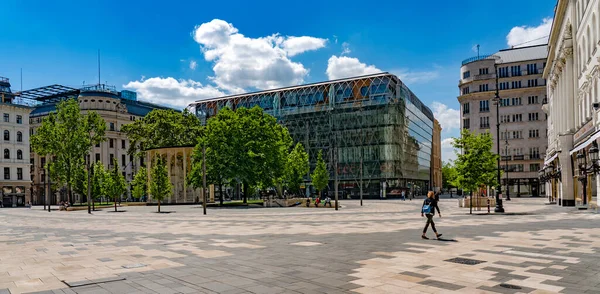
{"x": 376, "y": 248}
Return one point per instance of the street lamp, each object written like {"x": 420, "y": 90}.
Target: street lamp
{"x": 506, "y": 169}
{"x": 585, "y": 170}
{"x": 499, "y": 208}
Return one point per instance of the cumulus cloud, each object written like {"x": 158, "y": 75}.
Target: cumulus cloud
{"x": 344, "y": 67}
{"x": 172, "y": 92}
{"x": 242, "y": 62}
{"x": 193, "y": 65}
{"x": 346, "y": 48}
{"x": 296, "y": 45}
{"x": 448, "y": 152}
{"x": 528, "y": 36}
{"x": 448, "y": 117}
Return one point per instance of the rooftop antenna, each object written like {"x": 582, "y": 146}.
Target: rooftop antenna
{"x": 21, "y": 79}
{"x": 98, "y": 66}
{"x": 477, "y": 51}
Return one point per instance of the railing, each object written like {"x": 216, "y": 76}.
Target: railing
{"x": 3, "y": 79}
{"x": 476, "y": 58}
{"x": 519, "y": 157}
{"x": 506, "y": 158}
{"x": 100, "y": 88}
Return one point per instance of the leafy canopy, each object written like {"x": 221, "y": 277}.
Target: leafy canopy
{"x": 320, "y": 176}
{"x": 476, "y": 166}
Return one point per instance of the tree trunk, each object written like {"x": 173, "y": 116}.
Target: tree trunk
{"x": 246, "y": 193}
{"x": 158, "y": 206}
{"x": 220, "y": 194}
{"x": 115, "y": 203}
{"x": 471, "y": 202}
{"x": 93, "y": 204}
{"x": 69, "y": 194}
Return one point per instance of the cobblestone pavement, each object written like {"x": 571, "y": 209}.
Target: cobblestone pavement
{"x": 535, "y": 248}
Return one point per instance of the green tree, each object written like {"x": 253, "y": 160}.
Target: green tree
{"x": 140, "y": 183}
{"x": 64, "y": 136}
{"x": 95, "y": 129}
{"x": 476, "y": 164}
{"x": 449, "y": 175}
{"x": 160, "y": 186}
{"x": 81, "y": 182}
{"x": 320, "y": 176}
{"x": 114, "y": 183}
{"x": 296, "y": 168}
{"x": 98, "y": 177}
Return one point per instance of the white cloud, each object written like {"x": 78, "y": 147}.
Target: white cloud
{"x": 415, "y": 77}
{"x": 169, "y": 91}
{"x": 448, "y": 152}
{"x": 193, "y": 65}
{"x": 449, "y": 118}
{"x": 529, "y": 36}
{"x": 296, "y": 45}
{"x": 344, "y": 67}
{"x": 241, "y": 62}
{"x": 346, "y": 48}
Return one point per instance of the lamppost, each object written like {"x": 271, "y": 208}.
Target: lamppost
{"x": 585, "y": 170}
{"x": 506, "y": 169}
{"x": 499, "y": 208}
{"x": 547, "y": 174}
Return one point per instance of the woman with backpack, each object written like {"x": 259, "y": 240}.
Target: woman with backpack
{"x": 428, "y": 209}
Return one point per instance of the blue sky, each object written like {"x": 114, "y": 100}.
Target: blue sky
{"x": 178, "y": 51}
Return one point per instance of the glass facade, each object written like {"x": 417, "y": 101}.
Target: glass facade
{"x": 373, "y": 129}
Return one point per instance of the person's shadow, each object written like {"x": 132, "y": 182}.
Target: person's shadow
{"x": 446, "y": 240}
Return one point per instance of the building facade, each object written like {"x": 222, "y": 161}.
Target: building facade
{"x": 116, "y": 108}
{"x": 372, "y": 129}
{"x": 573, "y": 90}
{"x": 522, "y": 91}
{"x": 14, "y": 163}
{"x": 436, "y": 157}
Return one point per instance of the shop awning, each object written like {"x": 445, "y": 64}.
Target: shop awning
{"x": 551, "y": 159}
{"x": 587, "y": 142}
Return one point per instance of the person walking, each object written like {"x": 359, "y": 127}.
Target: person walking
{"x": 430, "y": 205}
{"x": 403, "y": 195}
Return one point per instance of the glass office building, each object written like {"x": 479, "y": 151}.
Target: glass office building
{"x": 373, "y": 129}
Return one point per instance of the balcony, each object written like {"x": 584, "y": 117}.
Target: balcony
{"x": 476, "y": 58}
{"x": 506, "y": 158}
{"x": 519, "y": 157}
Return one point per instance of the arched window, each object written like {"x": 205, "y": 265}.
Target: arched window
{"x": 6, "y": 154}
{"x": 6, "y": 135}
{"x": 19, "y": 137}
{"x": 19, "y": 154}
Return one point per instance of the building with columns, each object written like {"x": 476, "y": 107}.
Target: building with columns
{"x": 573, "y": 104}
{"x": 436, "y": 157}
{"x": 522, "y": 90}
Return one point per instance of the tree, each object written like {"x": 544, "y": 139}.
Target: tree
{"x": 320, "y": 176}
{"x": 114, "y": 183}
{"x": 449, "y": 175}
{"x": 160, "y": 186}
{"x": 296, "y": 168}
{"x": 65, "y": 136}
{"x": 98, "y": 177}
{"x": 81, "y": 182}
{"x": 95, "y": 128}
{"x": 476, "y": 165}
{"x": 140, "y": 183}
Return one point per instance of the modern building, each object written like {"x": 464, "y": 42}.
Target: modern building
{"x": 117, "y": 108}
{"x": 14, "y": 164}
{"x": 436, "y": 157}
{"x": 522, "y": 91}
{"x": 372, "y": 129}
{"x": 573, "y": 71}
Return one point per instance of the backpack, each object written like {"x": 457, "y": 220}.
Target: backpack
{"x": 427, "y": 208}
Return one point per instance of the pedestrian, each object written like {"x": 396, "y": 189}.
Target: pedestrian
{"x": 437, "y": 196}
{"x": 430, "y": 205}
{"x": 327, "y": 201}
{"x": 403, "y": 195}
{"x": 317, "y": 201}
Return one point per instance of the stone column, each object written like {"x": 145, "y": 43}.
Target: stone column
{"x": 567, "y": 196}
{"x": 570, "y": 95}
{"x": 184, "y": 176}
{"x": 169, "y": 173}
{"x": 149, "y": 168}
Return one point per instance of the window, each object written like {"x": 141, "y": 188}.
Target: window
{"x": 483, "y": 71}
{"x": 131, "y": 158}
{"x": 517, "y": 135}
{"x": 465, "y": 90}
{"x": 532, "y": 69}
{"x": 483, "y": 88}
{"x": 516, "y": 84}
{"x": 532, "y": 83}
{"x": 19, "y": 119}
{"x": 533, "y": 116}
{"x": 516, "y": 101}
{"x": 466, "y": 108}
{"x": 6, "y": 135}
{"x": 43, "y": 161}
{"x": 19, "y": 173}
{"x": 504, "y": 86}
{"x": 504, "y": 118}
{"x": 518, "y": 168}
{"x": 123, "y": 160}
{"x": 532, "y": 100}
{"x": 112, "y": 126}
{"x": 503, "y": 72}
{"x": 466, "y": 74}
{"x": 123, "y": 144}
{"x": 112, "y": 157}
{"x": 97, "y": 144}
{"x": 515, "y": 70}
{"x": 6, "y": 117}
{"x": 484, "y": 106}
{"x": 19, "y": 137}
{"x": 534, "y": 167}
{"x": 7, "y": 173}
{"x": 466, "y": 123}
{"x": 484, "y": 122}
{"x": 6, "y": 154}
{"x": 97, "y": 157}
{"x": 534, "y": 133}
{"x": 111, "y": 143}
{"x": 19, "y": 154}
{"x": 124, "y": 176}
{"x": 505, "y": 102}
{"x": 534, "y": 153}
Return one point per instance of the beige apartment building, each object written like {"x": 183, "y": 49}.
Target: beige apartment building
{"x": 522, "y": 91}
{"x": 436, "y": 157}
{"x": 116, "y": 108}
